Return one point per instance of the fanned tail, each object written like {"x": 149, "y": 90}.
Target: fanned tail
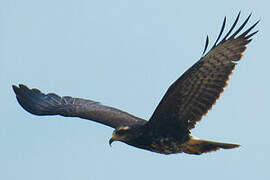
{"x": 199, "y": 146}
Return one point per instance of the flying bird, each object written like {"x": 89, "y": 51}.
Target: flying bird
{"x": 183, "y": 105}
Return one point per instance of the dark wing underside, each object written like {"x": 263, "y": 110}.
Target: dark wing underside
{"x": 194, "y": 93}
{"x": 35, "y": 102}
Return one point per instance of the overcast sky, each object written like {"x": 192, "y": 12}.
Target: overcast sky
{"x": 125, "y": 54}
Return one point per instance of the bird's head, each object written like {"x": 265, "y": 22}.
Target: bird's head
{"x": 121, "y": 134}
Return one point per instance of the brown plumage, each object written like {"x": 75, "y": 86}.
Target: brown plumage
{"x": 184, "y": 104}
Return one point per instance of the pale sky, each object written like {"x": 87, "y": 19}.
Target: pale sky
{"x": 125, "y": 54}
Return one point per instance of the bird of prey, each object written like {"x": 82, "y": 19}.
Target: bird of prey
{"x": 184, "y": 104}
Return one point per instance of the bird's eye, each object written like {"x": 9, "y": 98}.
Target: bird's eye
{"x": 120, "y": 132}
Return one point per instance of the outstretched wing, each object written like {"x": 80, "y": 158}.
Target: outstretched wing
{"x": 194, "y": 93}
{"x": 35, "y": 102}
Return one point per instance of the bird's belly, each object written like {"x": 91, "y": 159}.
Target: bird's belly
{"x": 161, "y": 145}
{"x": 166, "y": 146}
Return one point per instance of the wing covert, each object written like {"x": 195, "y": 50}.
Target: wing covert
{"x": 194, "y": 93}
{"x": 35, "y": 102}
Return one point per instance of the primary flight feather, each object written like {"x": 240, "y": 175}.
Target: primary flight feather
{"x": 184, "y": 104}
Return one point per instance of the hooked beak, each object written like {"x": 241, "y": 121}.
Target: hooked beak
{"x": 111, "y": 141}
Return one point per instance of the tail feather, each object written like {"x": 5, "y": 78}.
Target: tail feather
{"x": 199, "y": 146}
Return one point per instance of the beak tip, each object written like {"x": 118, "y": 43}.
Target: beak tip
{"x": 110, "y": 142}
